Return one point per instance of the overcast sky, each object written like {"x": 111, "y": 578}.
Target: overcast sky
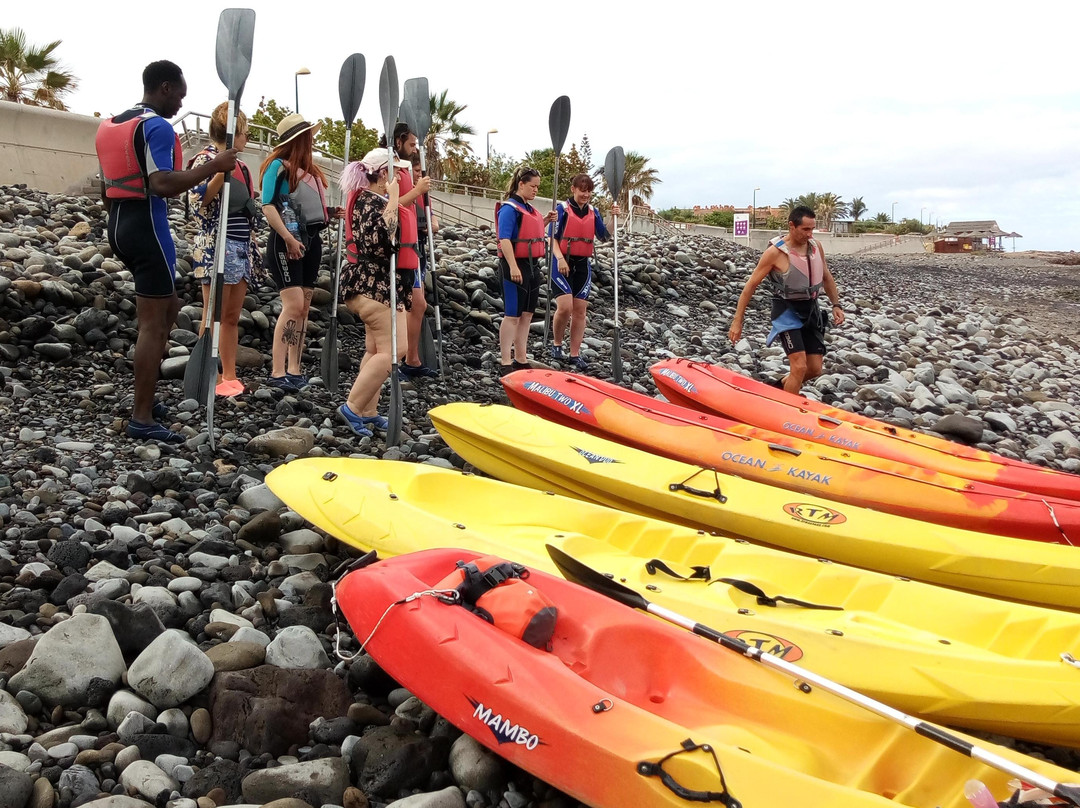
{"x": 959, "y": 110}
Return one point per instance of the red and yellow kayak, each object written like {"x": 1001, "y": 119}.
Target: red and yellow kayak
{"x": 613, "y": 412}
{"x": 712, "y": 388}
{"x": 625, "y": 710}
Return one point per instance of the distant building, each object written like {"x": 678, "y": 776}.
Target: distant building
{"x": 959, "y": 237}
{"x": 762, "y": 215}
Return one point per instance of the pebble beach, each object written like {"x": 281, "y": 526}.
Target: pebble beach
{"x": 166, "y": 631}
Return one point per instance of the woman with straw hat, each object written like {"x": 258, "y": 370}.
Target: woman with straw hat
{"x": 294, "y": 202}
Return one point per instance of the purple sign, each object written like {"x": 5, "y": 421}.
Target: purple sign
{"x": 742, "y": 227}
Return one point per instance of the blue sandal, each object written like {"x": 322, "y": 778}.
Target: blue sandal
{"x": 154, "y": 431}
{"x": 354, "y": 421}
{"x": 378, "y": 422}
{"x": 160, "y": 411}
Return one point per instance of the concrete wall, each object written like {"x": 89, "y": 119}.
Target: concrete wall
{"x": 46, "y": 149}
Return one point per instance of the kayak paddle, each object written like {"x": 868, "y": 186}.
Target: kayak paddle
{"x": 235, "y": 35}
{"x": 388, "y": 104}
{"x": 350, "y": 93}
{"x": 558, "y": 126}
{"x": 614, "y": 170}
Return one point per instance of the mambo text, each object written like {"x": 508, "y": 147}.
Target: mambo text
{"x": 503, "y": 730}
{"x": 685, "y": 384}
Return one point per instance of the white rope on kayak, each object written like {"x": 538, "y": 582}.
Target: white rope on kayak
{"x": 1057, "y": 524}
{"x": 450, "y": 596}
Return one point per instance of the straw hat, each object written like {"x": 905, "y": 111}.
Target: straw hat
{"x": 294, "y": 125}
{"x": 378, "y": 158}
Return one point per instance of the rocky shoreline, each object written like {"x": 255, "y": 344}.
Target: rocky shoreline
{"x": 166, "y": 634}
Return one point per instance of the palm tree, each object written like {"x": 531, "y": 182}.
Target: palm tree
{"x": 446, "y": 146}
{"x": 857, "y": 208}
{"x": 829, "y": 208}
{"x": 883, "y": 218}
{"x": 32, "y": 75}
{"x": 638, "y": 180}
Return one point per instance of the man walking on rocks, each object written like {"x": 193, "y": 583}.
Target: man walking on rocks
{"x": 796, "y": 270}
{"x": 141, "y": 165}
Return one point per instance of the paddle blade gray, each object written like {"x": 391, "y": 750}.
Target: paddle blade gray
{"x": 559, "y": 122}
{"x": 388, "y": 97}
{"x": 614, "y": 171}
{"x": 235, "y": 36}
{"x": 416, "y": 108}
{"x": 351, "y": 81}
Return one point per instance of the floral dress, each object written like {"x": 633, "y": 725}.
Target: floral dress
{"x": 370, "y": 275}
{"x": 204, "y": 240}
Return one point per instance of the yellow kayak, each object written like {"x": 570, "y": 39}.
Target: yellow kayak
{"x": 524, "y": 449}
{"x": 949, "y": 656}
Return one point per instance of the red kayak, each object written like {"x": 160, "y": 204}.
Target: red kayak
{"x": 621, "y": 710}
{"x": 613, "y": 412}
{"x": 715, "y": 389}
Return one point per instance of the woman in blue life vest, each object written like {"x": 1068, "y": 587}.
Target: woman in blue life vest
{"x": 373, "y": 219}
{"x": 294, "y": 203}
{"x": 579, "y": 226}
{"x": 243, "y": 262}
{"x": 521, "y": 251}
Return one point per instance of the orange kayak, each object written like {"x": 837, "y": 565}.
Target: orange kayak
{"x": 613, "y": 412}
{"x": 715, "y": 389}
{"x": 626, "y": 710}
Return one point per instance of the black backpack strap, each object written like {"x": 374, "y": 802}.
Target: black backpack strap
{"x": 703, "y": 573}
{"x": 477, "y": 583}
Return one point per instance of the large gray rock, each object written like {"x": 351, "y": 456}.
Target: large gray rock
{"x": 292, "y": 440}
{"x": 297, "y": 647}
{"x": 170, "y": 671}
{"x": 474, "y": 767}
{"x": 327, "y": 778}
{"x": 15, "y": 788}
{"x": 147, "y": 779}
{"x": 68, "y": 658}
{"x": 12, "y": 716}
{"x": 449, "y": 797}
{"x": 259, "y": 498}
{"x": 124, "y": 702}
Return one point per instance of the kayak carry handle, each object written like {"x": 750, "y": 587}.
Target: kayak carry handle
{"x": 716, "y": 493}
{"x": 649, "y": 769}
{"x": 828, "y": 419}
{"x": 776, "y": 447}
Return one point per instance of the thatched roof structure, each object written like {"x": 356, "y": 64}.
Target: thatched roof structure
{"x": 985, "y": 229}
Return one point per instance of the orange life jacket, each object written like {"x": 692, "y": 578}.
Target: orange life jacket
{"x": 579, "y": 233}
{"x": 498, "y": 591}
{"x": 530, "y": 235}
{"x": 120, "y": 168}
{"x": 408, "y": 256}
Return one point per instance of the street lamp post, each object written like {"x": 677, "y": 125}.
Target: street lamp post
{"x": 753, "y": 210}
{"x": 490, "y": 132}
{"x": 893, "y": 214}
{"x": 921, "y": 211}
{"x": 303, "y": 71}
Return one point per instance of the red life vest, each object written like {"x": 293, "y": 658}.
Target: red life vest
{"x": 530, "y": 237}
{"x": 408, "y": 256}
{"x": 579, "y": 233}
{"x": 498, "y": 592}
{"x": 120, "y": 168}
{"x": 350, "y": 237}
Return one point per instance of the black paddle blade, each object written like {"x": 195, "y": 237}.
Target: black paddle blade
{"x": 614, "y": 171}
{"x": 235, "y": 35}
{"x": 573, "y": 570}
{"x": 328, "y": 362}
{"x": 416, "y": 108}
{"x": 393, "y": 429}
{"x": 350, "y": 86}
{"x": 559, "y": 122}
{"x": 388, "y": 97}
{"x": 199, "y": 367}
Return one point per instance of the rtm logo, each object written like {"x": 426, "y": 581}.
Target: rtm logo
{"x": 685, "y": 384}
{"x": 775, "y": 646}
{"x": 503, "y": 730}
{"x": 814, "y": 514}
{"x": 558, "y": 396}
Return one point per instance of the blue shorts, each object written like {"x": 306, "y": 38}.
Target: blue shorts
{"x": 237, "y": 262}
